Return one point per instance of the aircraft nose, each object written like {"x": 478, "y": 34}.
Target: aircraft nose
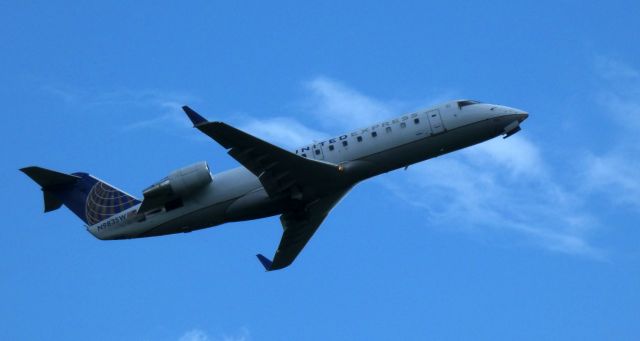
{"x": 522, "y": 116}
{"x": 519, "y": 114}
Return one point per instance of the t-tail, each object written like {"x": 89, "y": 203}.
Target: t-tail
{"x": 91, "y": 199}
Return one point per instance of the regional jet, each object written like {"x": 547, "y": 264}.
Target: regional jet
{"x": 302, "y": 186}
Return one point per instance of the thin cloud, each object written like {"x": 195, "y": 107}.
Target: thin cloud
{"x": 242, "y": 335}
{"x": 614, "y": 69}
{"x": 194, "y": 335}
{"x": 161, "y": 110}
{"x": 168, "y": 113}
{"x": 461, "y": 191}
{"x": 200, "y": 335}
{"x": 145, "y": 109}
{"x": 64, "y": 93}
{"x": 615, "y": 173}
{"x": 283, "y": 131}
{"x": 519, "y": 155}
{"x": 619, "y": 92}
{"x": 337, "y": 105}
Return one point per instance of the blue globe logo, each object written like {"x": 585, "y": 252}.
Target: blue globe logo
{"x": 104, "y": 201}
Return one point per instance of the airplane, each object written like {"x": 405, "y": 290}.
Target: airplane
{"x": 302, "y": 186}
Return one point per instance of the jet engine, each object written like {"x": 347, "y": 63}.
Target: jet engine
{"x": 181, "y": 183}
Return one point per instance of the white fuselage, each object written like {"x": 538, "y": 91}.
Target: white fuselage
{"x": 237, "y": 194}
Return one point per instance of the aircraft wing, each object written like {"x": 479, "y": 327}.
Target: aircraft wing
{"x": 299, "y": 227}
{"x": 281, "y": 172}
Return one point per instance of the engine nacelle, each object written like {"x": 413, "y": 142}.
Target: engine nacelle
{"x": 181, "y": 183}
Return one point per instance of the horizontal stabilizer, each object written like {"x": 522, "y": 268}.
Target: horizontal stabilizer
{"x": 47, "y": 178}
{"x": 50, "y": 181}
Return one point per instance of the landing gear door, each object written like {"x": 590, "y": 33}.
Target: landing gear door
{"x": 435, "y": 121}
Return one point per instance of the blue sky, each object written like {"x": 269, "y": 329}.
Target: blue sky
{"x": 533, "y": 237}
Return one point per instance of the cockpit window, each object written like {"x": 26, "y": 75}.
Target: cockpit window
{"x": 465, "y": 103}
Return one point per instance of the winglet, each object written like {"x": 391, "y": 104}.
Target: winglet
{"x": 195, "y": 118}
{"x": 265, "y": 261}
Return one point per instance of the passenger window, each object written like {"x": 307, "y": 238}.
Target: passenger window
{"x": 359, "y": 138}
{"x": 344, "y": 143}
{"x": 317, "y": 151}
{"x": 304, "y": 155}
{"x": 388, "y": 129}
{"x": 374, "y": 134}
{"x": 403, "y": 125}
{"x": 416, "y": 120}
{"x": 331, "y": 147}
